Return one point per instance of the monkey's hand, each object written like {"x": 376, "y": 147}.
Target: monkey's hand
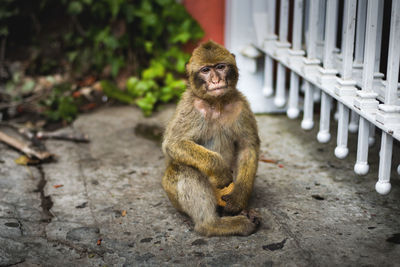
{"x": 235, "y": 201}
{"x": 222, "y": 192}
{"x": 222, "y": 179}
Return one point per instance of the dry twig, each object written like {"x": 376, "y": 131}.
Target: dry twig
{"x": 75, "y": 137}
{"x": 23, "y": 147}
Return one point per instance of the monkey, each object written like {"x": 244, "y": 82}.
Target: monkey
{"x": 211, "y": 142}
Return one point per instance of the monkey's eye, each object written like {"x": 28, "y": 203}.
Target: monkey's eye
{"x": 205, "y": 70}
{"x": 220, "y": 66}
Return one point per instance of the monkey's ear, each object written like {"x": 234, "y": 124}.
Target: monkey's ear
{"x": 233, "y": 55}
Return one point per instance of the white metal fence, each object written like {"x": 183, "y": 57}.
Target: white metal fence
{"x": 334, "y": 54}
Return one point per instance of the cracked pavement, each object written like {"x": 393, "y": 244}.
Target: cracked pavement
{"x": 111, "y": 209}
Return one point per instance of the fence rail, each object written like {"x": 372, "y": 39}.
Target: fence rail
{"x": 334, "y": 53}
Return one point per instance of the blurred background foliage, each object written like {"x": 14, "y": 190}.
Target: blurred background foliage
{"x": 70, "y": 51}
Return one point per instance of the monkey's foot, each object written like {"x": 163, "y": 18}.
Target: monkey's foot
{"x": 253, "y": 216}
{"x": 229, "y": 225}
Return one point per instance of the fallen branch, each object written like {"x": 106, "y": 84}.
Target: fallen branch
{"x": 25, "y": 132}
{"x": 35, "y": 137}
{"x": 23, "y": 147}
{"x": 75, "y": 137}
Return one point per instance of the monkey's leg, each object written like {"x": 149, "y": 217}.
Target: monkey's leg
{"x": 197, "y": 199}
{"x": 169, "y": 182}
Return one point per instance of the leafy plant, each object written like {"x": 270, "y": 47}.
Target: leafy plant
{"x": 157, "y": 84}
{"x": 114, "y": 33}
{"x": 60, "y": 105}
{"x": 164, "y": 26}
{"x": 160, "y": 28}
{"x": 103, "y": 37}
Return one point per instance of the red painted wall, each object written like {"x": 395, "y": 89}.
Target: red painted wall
{"x": 211, "y": 16}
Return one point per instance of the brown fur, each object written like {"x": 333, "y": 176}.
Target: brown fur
{"x": 210, "y": 142}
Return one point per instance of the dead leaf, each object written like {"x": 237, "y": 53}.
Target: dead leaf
{"x": 97, "y": 86}
{"x": 87, "y": 81}
{"x": 87, "y": 107}
{"x": 58, "y": 186}
{"x": 123, "y": 213}
{"x": 24, "y": 160}
{"x": 76, "y": 94}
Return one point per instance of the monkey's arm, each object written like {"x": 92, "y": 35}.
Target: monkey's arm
{"x": 206, "y": 161}
{"x": 247, "y": 168}
{"x": 247, "y": 162}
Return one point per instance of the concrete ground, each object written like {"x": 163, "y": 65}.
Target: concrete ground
{"x": 112, "y": 211}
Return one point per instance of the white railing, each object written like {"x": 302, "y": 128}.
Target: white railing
{"x": 348, "y": 74}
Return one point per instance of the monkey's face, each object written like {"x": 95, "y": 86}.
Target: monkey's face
{"x": 212, "y": 71}
{"x": 213, "y": 79}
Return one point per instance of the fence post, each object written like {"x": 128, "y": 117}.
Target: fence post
{"x": 366, "y": 98}
{"x": 310, "y": 64}
{"x": 269, "y": 63}
{"x": 295, "y": 54}
{"x": 360, "y": 34}
{"x": 282, "y": 44}
{"x": 389, "y": 112}
{"x": 354, "y": 119}
{"x": 346, "y": 86}
{"x": 379, "y": 39}
{"x": 327, "y": 72}
{"x": 260, "y": 20}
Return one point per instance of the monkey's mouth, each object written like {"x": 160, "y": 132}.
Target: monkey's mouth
{"x": 217, "y": 88}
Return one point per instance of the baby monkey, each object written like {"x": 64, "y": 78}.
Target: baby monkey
{"x": 212, "y": 146}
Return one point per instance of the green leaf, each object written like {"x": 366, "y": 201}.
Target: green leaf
{"x": 75, "y": 8}
{"x": 67, "y": 109}
{"x": 147, "y": 103}
{"x": 178, "y": 85}
{"x": 129, "y": 12}
{"x": 169, "y": 78}
{"x": 148, "y": 46}
{"x": 16, "y": 78}
{"x": 181, "y": 65}
{"x": 165, "y": 3}
{"x": 138, "y": 88}
{"x": 131, "y": 85}
{"x": 147, "y": 5}
{"x": 150, "y": 20}
{"x": 156, "y": 70}
{"x": 28, "y": 86}
{"x": 72, "y": 55}
{"x": 10, "y": 87}
{"x": 115, "y": 6}
{"x": 87, "y": 2}
{"x": 3, "y": 31}
{"x": 166, "y": 94}
{"x": 116, "y": 64}
{"x": 112, "y": 91}
{"x": 182, "y": 37}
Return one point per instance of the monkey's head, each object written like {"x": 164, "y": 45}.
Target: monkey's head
{"x": 212, "y": 71}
